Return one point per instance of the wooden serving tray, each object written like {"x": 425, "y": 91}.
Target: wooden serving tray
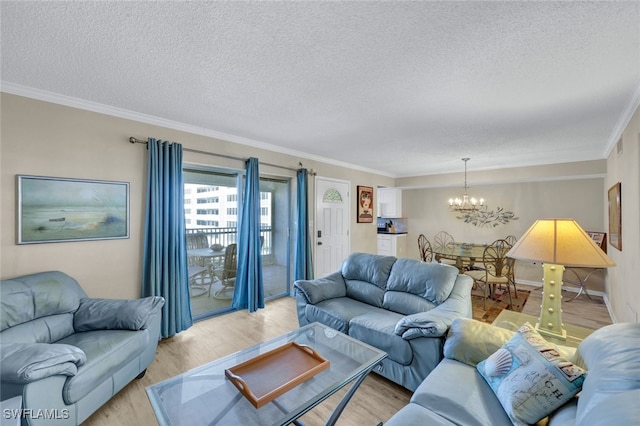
{"x": 267, "y": 376}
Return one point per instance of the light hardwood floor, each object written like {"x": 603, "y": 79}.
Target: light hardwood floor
{"x": 376, "y": 400}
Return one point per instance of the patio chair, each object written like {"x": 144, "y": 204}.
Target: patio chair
{"x": 227, "y": 273}
{"x": 198, "y": 268}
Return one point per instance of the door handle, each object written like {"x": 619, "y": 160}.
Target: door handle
{"x": 319, "y": 243}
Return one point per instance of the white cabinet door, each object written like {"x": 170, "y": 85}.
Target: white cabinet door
{"x": 390, "y": 202}
{"x": 392, "y": 245}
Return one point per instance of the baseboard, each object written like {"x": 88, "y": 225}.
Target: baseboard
{"x": 573, "y": 289}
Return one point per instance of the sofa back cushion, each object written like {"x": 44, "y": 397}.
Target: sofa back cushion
{"x": 612, "y": 387}
{"x": 430, "y": 281}
{"x": 366, "y": 276}
{"x": 38, "y": 296}
{"x": 41, "y": 330}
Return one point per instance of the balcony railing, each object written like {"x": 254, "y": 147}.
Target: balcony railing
{"x": 229, "y": 235}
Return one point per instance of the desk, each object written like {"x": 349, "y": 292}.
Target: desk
{"x": 460, "y": 252}
{"x": 511, "y": 320}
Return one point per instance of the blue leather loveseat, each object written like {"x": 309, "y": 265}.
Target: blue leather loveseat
{"x": 401, "y": 306}
{"x": 67, "y": 354}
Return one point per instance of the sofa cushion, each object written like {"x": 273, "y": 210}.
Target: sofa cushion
{"x": 107, "y": 351}
{"x": 612, "y": 388}
{"x": 457, "y": 392}
{"x": 376, "y": 328}
{"x": 28, "y": 362}
{"x": 336, "y": 313}
{"x": 366, "y": 276}
{"x": 417, "y": 415}
{"x": 371, "y": 268}
{"x": 432, "y": 281}
{"x": 41, "y": 330}
{"x": 530, "y": 377}
{"x": 406, "y": 303}
{"x": 38, "y": 295}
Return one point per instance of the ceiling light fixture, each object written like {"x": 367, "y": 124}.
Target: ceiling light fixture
{"x": 465, "y": 204}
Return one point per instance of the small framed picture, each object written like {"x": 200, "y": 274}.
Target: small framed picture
{"x": 365, "y": 204}
{"x": 54, "y": 210}
{"x": 615, "y": 216}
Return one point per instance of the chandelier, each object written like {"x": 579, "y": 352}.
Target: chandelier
{"x": 465, "y": 204}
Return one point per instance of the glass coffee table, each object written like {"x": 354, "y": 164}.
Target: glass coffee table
{"x": 205, "y": 396}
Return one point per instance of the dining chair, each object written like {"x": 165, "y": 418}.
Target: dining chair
{"x": 498, "y": 270}
{"x": 199, "y": 273}
{"x": 511, "y": 239}
{"x": 444, "y": 240}
{"x": 227, "y": 273}
{"x": 424, "y": 248}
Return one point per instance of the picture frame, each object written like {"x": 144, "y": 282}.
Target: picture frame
{"x": 615, "y": 216}
{"x": 365, "y": 204}
{"x": 53, "y": 209}
{"x": 600, "y": 238}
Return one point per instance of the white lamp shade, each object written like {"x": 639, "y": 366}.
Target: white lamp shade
{"x": 561, "y": 242}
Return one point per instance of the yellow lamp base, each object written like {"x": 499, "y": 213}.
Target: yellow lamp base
{"x": 550, "y": 320}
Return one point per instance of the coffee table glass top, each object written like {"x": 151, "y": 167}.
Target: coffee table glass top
{"x": 204, "y": 396}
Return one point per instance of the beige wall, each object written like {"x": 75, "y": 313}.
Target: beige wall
{"x": 45, "y": 139}
{"x": 580, "y": 199}
{"x": 40, "y": 138}
{"x": 624, "y": 284}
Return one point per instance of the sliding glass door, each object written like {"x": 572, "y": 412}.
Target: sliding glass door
{"x": 212, "y": 202}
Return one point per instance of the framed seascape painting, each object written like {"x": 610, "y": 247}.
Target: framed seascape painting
{"x": 59, "y": 209}
{"x": 615, "y": 216}
{"x": 365, "y": 204}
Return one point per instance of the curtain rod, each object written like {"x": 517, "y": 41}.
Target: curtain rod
{"x": 231, "y": 157}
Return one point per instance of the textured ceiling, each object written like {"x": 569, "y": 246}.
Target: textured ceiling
{"x": 403, "y": 88}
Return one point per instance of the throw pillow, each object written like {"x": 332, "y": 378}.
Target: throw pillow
{"x": 530, "y": 377}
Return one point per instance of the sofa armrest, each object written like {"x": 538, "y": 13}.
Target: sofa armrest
{"x": 436, "y": 322}
{"x": 315, "y": 291}
{"x": 27, "y": 362}
{"x": 116, "y": 314}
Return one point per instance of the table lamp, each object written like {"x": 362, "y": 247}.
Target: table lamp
{"x": 557, "y": 243}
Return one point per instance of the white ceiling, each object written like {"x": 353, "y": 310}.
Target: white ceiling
{"x": 402, "y": 88}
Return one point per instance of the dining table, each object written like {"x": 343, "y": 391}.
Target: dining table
{"x": 464, "y": 254}
{"x": 207, "y": 257}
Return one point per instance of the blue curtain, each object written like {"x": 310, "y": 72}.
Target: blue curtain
{"x": 164, "y": 269}
{"x": 303, "y": 263}
{"x": 249, "y": 289}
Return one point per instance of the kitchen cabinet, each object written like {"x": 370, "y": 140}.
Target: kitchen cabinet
{"x": 389, "y": 202}
{"x": 392, "y": 245}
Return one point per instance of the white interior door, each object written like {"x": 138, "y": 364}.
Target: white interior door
{"x": 332, "y": 225}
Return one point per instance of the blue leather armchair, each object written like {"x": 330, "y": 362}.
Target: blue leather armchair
{"x": 67, "y": 354}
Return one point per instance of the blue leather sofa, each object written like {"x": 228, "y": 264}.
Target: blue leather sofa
{"x": 67, "y": 354}
{"x": 455, "y": 393}
{"x": 401, "y": 306}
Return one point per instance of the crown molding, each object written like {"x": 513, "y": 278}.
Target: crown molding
{"x": 56, "y": 98}
{"x": 623, "y": 122}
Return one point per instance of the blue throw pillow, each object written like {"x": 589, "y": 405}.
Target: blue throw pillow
{"x": 530, "y": 377}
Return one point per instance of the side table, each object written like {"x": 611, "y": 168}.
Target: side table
{"x": 511, "y": 320}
